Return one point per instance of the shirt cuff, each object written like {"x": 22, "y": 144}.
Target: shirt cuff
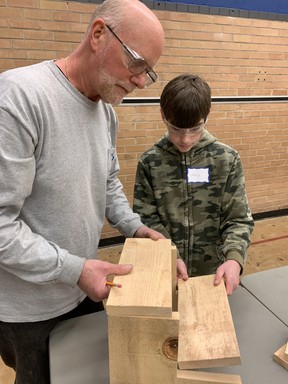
{"x": 237, "y": 256}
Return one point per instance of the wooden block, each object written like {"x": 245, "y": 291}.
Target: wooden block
{"x": 286, "y": 350}
{"x": 147, "y": 290}
{"x": 197, "y": 377}
{"x": 174, "y": 278}
{"x": 143, "y": 350}
{"x": 206, "y": 331}
{"x": 280, "y": 356}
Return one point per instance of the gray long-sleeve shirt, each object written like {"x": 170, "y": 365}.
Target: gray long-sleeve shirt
{"x": 58, "y": 181}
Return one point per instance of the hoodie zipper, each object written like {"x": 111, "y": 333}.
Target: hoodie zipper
{"x": 187, "y": 215}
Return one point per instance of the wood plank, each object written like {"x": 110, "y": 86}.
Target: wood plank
{"x": 207, "y": 336}
{"x": 143, "y": 350}
{"x": 286, "y": 350}
{"x": 147, "y": 290}
{"x": 280, "y": 357}
{"x": 197, "y": 377}
{"x": 174, "y": 279}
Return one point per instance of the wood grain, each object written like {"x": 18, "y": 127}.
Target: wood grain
{"x": 147, "y": 290}
{"x": 280, "y": 357}
{"x": 206, "y": 331}
{"x": 141, "y": 349}
{"x": 197, "y": 377}
{"x": 174, "y": 278}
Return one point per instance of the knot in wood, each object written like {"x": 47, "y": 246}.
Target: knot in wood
{"x": 170, "y": 348}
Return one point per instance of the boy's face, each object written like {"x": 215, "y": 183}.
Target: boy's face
{"x": 185, "y": 138}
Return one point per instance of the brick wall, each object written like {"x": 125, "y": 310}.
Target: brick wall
{"x": 237, "y": 56}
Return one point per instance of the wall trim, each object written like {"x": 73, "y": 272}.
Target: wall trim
{"x": 203, "y": 9}
{"x": 216, "y": 100}
{"x": 119, "y": 240}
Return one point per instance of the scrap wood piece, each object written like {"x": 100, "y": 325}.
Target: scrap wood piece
{"x": 147, "y": 290}
{"x": 198, "y": 377}
{"x": 207, "y": 336}
{"x": 280, "y": 356}
{"x": 286, "y": 350}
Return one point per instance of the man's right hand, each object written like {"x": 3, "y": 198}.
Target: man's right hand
{"x": 94, "y": 275}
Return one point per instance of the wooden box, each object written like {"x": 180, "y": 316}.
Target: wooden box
{"x": 156, "y": 331}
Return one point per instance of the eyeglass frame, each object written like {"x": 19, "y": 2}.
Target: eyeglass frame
{"x": 197, "y": 129}
{"x": 151, "y": 75}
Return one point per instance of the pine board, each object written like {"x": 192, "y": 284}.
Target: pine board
{"x": 147, "y": 290}
{"x": 197, "y": 377}
{"x": 280, "y": 357}
{"x": 207, "y": 336}
{"x": 139, "y": 349}
{"x": 174, "y": 278}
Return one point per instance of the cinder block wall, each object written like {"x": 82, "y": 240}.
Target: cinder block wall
{"x": 237, "y": 56}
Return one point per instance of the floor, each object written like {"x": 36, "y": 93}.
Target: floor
{"x": 269, "y": 249}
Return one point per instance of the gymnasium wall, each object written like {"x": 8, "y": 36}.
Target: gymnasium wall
{"x": 275, "y": 6}
{"x": 243, "y": 59}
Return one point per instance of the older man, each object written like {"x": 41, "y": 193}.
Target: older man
{"x": 58, "y": 179}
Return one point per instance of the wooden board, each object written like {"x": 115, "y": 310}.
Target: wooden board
{"x": 280, "y": 357}
{"x": 207, "y": 336}
{"x": 174, "y": 278}
{"x": 147, "y": 290}
{"x": 143, "y": 350}
{"x": 286, "y": 350}
{"x": 197, "y": 377}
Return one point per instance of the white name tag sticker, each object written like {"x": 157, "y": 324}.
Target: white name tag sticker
{"x": 198, "y": 175}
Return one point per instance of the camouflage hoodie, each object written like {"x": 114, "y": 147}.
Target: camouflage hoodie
{"x": 198, "y": 200}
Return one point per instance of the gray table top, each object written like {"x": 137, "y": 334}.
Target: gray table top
{"x": 271, "y": 288}
{"x": 259, "y": 335}
{"x": 79, "y": 350}
{"x": 79, "y": 347}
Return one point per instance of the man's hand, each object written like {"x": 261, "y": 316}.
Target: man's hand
{"x": 230, "y": 272}
{"x": 147, "y": 232}
{"x": 94, "y": 275}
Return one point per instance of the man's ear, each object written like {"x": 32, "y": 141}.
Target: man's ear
{"x": 97, "y": 29}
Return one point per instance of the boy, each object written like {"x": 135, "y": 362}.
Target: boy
{"x": 191, "y": 187}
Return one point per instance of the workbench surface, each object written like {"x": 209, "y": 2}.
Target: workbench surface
{"x": 79, "y": 346}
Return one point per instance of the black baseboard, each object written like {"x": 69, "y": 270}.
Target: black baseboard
{"x": 118, "y": 240}
{"x": 270, "y": 214}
